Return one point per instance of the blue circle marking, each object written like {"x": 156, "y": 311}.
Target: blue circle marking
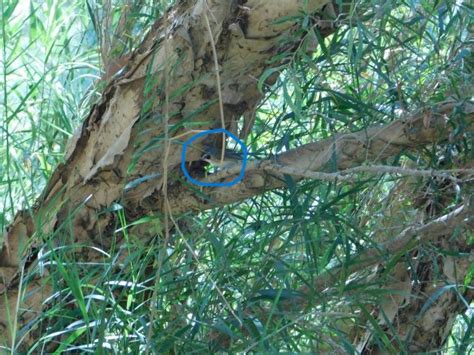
{"x": 205, "y": 133}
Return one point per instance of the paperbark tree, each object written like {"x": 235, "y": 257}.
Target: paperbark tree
{"x": 128, "y": 151}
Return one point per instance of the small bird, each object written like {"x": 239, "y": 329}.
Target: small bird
{"x": 213, "y": 156}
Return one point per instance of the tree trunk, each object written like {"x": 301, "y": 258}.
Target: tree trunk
{"x": 171, "y": 79}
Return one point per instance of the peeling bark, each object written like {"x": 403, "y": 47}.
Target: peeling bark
{"x": 424, "y": 299}
{"x": 369, "y": 146}
{"x": 135, "y": 109}
{"x": 127, "y": 127}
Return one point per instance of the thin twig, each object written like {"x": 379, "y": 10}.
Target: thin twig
{"x": 347, "y": 175}
{"x": 383, "y": 169}
{"x": 165, "y": 197}
{"x": 218, "y": 80}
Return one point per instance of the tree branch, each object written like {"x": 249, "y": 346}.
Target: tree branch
{"x": 319, "y": 160}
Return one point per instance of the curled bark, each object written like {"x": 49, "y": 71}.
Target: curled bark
{"x": 118, "y": 154}
{"x": 169, "y": 80}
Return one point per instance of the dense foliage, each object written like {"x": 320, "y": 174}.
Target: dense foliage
{"x": 221, "y": 280}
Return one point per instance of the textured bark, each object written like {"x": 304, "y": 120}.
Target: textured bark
{"x": 142, "y": 106}
{"x": 427, "y": 291}
{"x": 170, "y": 79}
{"x": 369, "y": 146}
